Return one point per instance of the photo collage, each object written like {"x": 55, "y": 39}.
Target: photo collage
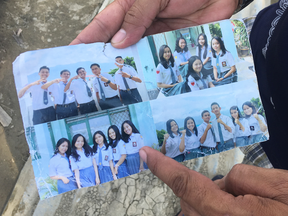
{"x": 88, "y": 109}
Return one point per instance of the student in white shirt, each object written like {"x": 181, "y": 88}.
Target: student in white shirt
{"x": 196, "y": 77}
{"x": 257, "y": 123}
{"x": 242, "y": 128}
{"x": 126, "y": 78}
{"x": 133, "y": 143}
{"x": 82, "y": 92}
{"x": 103, "y": 156}
{"x": 82, "y": 162}
{"x": 65, "y": 104}
{"x": 59, "y": 167}
{"x": 181, "y": 53}
{"x": 223, "y": 128}
{"x": 105, "y": 88}
{"x": 206, "y": 135}
{"x": 173, "y": 143}
{"x": 192, "y": 143}
{"x": 203, "y": 51}
{"x": 118, "y": 151}
{"x": 43, "y": 109}
{"x": 223, "y": 63}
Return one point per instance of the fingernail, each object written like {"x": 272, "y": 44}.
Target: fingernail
{"x": 143, "y": 155}
{"x": 119, "y": 36}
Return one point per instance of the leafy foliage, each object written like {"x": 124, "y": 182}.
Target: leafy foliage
{"x": 160, "y": 136}
{"x": 215, "y": 30}
{"x": 128, "y": 61}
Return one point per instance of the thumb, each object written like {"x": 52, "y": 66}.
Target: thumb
{"x": 138, "y": 18}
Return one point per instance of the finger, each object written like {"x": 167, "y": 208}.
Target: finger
{"x": 187, "y": 209}
{"x": 137, "y": 19}
{"x": 105, "y": 24}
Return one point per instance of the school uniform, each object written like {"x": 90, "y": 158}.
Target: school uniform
{"x": 85, "y": 167}
{"x": 223, "y": 137}
{"x": 223, "y": 65}
{"x": 256, "y": 133}
{"x": 135, "y": 143}
{"x": 192, "y": 145}
{"x": 209, "y": 145}
{"x": 103, "y": 156}
{"x": 180, "y": 57}
{"x": 172, "y": 148}
{"x": 241, "y": 137}
{"x": 64, "y": 101}
{"x": 200, "y": 83}
{"x": 117, "y": 152}
{"x": 43, "y": 109}
{"x": 167, "y": 76}
{"x": 59, "y": 166}
{"x": 208, "y": 66}
{"x": 128, "y": 88}
{"x": 108, "y": 97}
{"x": 83, "y": 96}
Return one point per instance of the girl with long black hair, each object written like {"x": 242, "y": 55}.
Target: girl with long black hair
{"x": 181, "y": 53}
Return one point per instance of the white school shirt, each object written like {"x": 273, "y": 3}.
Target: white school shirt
{"x": 226, "y": 134}
{"x": 209, "y": 53}
{"x": 59, "y": 166}
{"x": 57, "y": 90}
{"x": 179, "y": 57}
{"x": 163, "y": 75}
{"x": 83, "y": 161}
{"x": 38, "y": 97}
{"x": 135, "y": 143}
{"x": 199, "y": 82}
{"x": 119, "y": 79}
{"x": 172, "y": 146}
{"x": 225, "y": 62}
{"x": 79, "y": 89}
{"x": 191, "y": 142}
{"x": 209, "y": 141}
{"x": 239, "y": 132}
{"x": 106, "y": 155}
{"x": 108, "y": 91}
{"x": 119, "y": 150}
{"x": 254, "y": 124}
{"x": 192, "y": 84}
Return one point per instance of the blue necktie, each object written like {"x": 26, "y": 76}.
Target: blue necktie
{"x": 45, "y": 96}
{"x": 203, "y": 82}
{"x": 172, "y": 75}
{"x": 101, "y": 90}
{"x": 220, "y": 133}
{"x": 65, "y": 94}
{"x": 183, "y": 56}
{"x": 125, "y": 83}
{"x": 213, "y": 134}
{"x": 88, "y": 90}
{"x": 100, "y": 159}
{"x": 217, "y": 65}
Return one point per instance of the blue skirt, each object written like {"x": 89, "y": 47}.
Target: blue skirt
{"x": 62, "y": 187}
{"x": 105, "y": 174}
{"x": 133, "y": 163}
{"x": 87, "y": 177}
{"x": 122, "y": 169}
{"x": 242, "y": 141}
{"x": 257, "y": 138}
{"x": 179, "y": 158}
{"x": 192, "y": 153}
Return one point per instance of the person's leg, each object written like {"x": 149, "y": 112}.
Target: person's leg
{"x": 136, "y": 95}
{"x": 229, "y": 145}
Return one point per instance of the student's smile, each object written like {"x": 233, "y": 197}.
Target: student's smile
{"x": 174, "y": 127}
{"x": 65, "y": 75}
{"x": 79, "y": 143}
{"x": 234, "y": 114}
{"x": 99, "y": 139}
{"x": 206, "y": 117}
{"x": 215, "y": 109}
{"x": 96, "y": 70}
{"x": 167, "y": 53}
{"x": 216, "y": 45}
{"x": 44, "y": 74}
{"x": 201, "y": 41}
{"x": 82, "y": 73}
{"x": 112, "y": 134}
{"x": 190, "y": 124}
{"x": 63, "y": 148}
{"x": 182, "y": 43}
{"x": 127, "y": 129}
{"x": 247, "y": 110}
{"x": 197, "y": 66}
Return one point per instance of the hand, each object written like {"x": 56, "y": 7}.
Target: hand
{"x": 141, "y": 169}
{"x": 126, "y": 21}
{"x": 58, "y": 80}
{"x": 166, "y": 136}
{"x": 246, "y": 190}
{"x": 256, "y": 116}
{"x": 65, "y": 180}
{"x": 208, "y": 126}
{"x": 237, "y": 121}
{"x": 218, "y": 80}
{"x": 97, "y": 181}
{"x": 75, "y": 77}
{"x": 103, "y": 79}
{"x": 183, "y": 132}
{"x": 38, "y": 82}
{"x": 116, "y": 169}
{"x": 220, "y": 121}
{"x": 126, "y": 75}
{"x": 175, "y": 84}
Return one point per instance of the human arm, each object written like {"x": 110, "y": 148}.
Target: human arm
{"x": 215, "y": 73}
{"x": 225, "y": 125}
{"x": 23, "y": 90}
{"x": 210, "y": 84}
{"x": 262, "y": 125}
{"x": 112, "y": 169}
{"x": 163, "y": 148}
{"x": 182, "y": 143}
{"x": 206, "y": 60}
{"x": 232, "y": 70}
{"x": 163, "y": 85}
{"x": 121, "y": 160}
{"x": 240, "y": 125}
{"x": 245, "y": 190}
{"x": 77, "y": 177}
{"x": 134, "y": 78}
{"x": 69, "y": 83}
{"x": 97, "y": 180}
{"x": 111, "y": 83}
{"x": 64, "y": 179}
{"x": 46, "y": 85}
{"x": 203, "y": 137}
{"x": 141, "y": 167}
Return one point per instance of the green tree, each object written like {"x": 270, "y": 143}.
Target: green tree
{"x": 215, "y": 30}
{"x": 160, "y": 136}
{"x": 113, "y": 71}
{"x": 130, "y": 61}
{"x": 257, "y": 103}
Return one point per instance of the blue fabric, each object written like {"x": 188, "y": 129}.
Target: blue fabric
{"x": 133, "y": 163}
{"x": 217, "y": 65}
{"x": 87, "y": 177}
{"x": 172, "y": 75}
{"x": 256, "y": 138}
{"x": 100, "y": 165}
{"x": 101, "y": 89}
{"x": 242, "y": 141}
{"x": 122, "y": 170}
{"x": 62, "y": 187}
{"x": 44, "y": 115}
{"x": 65, "y": 111}
{"x": 221, "y": 146}
{"x": 192, "y": 153}
{"x": 227, "y": 80}
{"x": 179, "y": 158}
{"x": 130, "y": 98}
{"x": 208, "y": 151}
{"x": 220, "y": 133}
{"x": 105, "y": 174}
{"x": 229, "y": 145}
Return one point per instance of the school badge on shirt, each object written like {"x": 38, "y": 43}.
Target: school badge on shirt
{"x": 114, "y": 150}
{"x": 157, "y": 71}
{"x": 252, "y": 128}
{"x": 106, "y": 157}
{"x": 106, "y": 85}
{"x": 224, "y": 64}
{"x": 192, "y": 83}
{"x": 134, "y": 144}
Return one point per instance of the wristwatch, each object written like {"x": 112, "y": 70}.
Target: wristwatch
{"x": 108, "y": 82}
{"x": 131, "y": 77}
{"x": 242, "y": 4}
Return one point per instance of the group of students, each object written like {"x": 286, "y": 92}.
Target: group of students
{"x": 223, "y": 133}
{"x": 69, "y": 95}
{"x": 210, "y": 67}
{"x": 78, "y": 165}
